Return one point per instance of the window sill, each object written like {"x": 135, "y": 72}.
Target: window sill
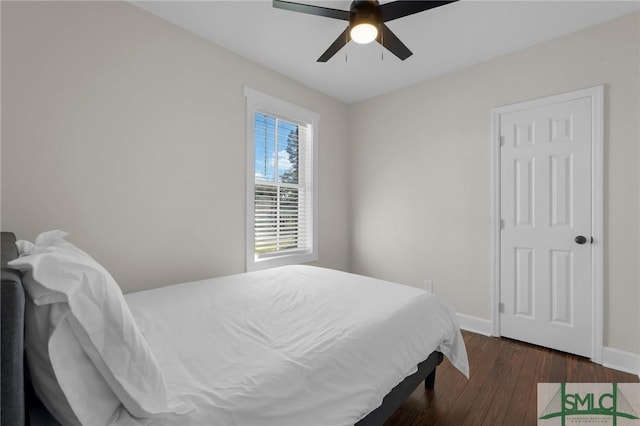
{"x": 283, "y": 260}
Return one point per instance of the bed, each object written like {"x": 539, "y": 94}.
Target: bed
{"x": 296, "y": 345}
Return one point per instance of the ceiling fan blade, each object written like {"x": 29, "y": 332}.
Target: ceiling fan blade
{"x": 399, "y": 9}
{"x": 335, "y": 46}
{"x": 312, "y": 10}
{"x": 389, "y": 40}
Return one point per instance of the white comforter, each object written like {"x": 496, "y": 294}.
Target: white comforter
{"x": 296, "y": 345}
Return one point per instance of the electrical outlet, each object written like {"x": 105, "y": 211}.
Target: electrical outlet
{"x": 428, "y": 285}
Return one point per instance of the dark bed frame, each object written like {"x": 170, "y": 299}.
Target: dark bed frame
{"x": 20, "y": 406}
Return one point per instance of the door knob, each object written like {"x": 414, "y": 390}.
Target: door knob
{"x": 581, "y": 239}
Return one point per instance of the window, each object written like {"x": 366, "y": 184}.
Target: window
{"x": 281, "y": 182}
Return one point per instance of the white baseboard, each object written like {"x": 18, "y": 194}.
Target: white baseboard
{"x": 621, "y": 360}
{"x": 475, "y": 324}
{"x": 611, "y": 357}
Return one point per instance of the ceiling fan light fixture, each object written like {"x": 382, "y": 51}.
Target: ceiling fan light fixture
{"x": 364, "y": 33}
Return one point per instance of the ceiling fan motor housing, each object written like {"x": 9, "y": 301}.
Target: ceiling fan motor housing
{"x": 364, "y": 11}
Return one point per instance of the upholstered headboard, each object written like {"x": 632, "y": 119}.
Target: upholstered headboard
{"x": 12, "y": 399}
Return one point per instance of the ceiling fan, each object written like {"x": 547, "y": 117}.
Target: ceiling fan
{"x": 366, "y": 22}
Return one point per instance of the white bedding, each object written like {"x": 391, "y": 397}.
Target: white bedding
{"x": 296, "y": 345}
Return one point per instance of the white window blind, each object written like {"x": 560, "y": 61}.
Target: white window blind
{"x": 281, "y": 182}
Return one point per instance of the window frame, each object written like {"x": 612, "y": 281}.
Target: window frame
{"x": 257, "y": 101}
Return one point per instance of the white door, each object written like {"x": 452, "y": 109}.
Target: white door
{"x": 546, "y": 224}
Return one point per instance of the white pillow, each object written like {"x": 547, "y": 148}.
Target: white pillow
{"x": 63, "y": 376}
{"x": 100, "y": 320}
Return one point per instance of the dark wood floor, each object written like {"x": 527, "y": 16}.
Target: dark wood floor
{"x": 503, "y": 385}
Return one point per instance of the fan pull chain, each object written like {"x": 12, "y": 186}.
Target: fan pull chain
{"x": 346, "y": 40}
{"x": 382, "y": 45}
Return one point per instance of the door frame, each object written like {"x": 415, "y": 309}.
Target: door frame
{"x": 596, "y": 94}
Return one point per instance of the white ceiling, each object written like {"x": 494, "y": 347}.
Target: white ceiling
{"x": 442, "y": 40}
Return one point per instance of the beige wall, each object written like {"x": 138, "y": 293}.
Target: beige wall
{"x": 421, "y": 170}
{"x": 129, "y": 133}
